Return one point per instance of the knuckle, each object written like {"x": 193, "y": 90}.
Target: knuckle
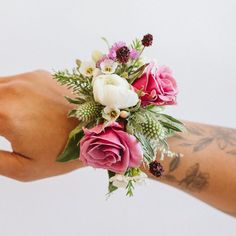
{"x": 15, "y": 87}
{"x": 40, "y": 73}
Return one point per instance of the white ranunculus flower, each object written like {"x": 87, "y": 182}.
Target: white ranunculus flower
{"x": 88, "y": 68}
{"x": 108, "y": 66}
{"x": 114, "y": 91}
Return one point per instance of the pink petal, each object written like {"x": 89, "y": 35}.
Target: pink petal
{"x": 134, "y": 148}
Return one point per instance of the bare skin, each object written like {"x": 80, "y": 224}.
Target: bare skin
{"x": 33, "y": 118}
{"x": 207, "y": 169}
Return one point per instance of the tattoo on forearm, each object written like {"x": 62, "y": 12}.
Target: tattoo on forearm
{"x": 200, "y": 139}
{"x": 224, "y": 138}
{"x": 194, "y": 179}
{"x": 232, "y": 152}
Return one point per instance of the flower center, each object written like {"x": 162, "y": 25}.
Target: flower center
{"x": 113, "y": 114}
{"x": 89, "y": 70}
{"x": 108, "y": 69}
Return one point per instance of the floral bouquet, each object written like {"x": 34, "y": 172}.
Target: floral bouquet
{"x": 119, "y": 102}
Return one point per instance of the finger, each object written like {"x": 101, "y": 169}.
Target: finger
{"x": 14, "y": 165}
{"x": 4, "y": 126}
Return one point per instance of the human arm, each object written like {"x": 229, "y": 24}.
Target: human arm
{"x": 207, "y": 169}
{"x": 33, "y": 117}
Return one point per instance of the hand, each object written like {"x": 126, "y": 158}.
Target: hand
{"x": 33, "y": 117}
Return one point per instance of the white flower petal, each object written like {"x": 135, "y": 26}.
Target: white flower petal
{"x": 114, "y": 91}
{"x": 140, "y": 179}
{"x": 87, "y": 68}
{"x": 108, "y": 66}
{"x": 119, "y": 181}
{"x": 110, "y": 114}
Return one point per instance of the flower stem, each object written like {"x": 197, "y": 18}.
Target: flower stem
{"x": 136, "y": 60}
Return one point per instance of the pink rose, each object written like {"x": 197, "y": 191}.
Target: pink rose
{"x": 110, "y": 148}
{"x": 158, "y": 84}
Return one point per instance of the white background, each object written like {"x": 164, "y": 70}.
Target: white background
{"x": 197, "y": 39}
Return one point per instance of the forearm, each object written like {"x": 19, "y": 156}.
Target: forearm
{"x": 207, "y": 169}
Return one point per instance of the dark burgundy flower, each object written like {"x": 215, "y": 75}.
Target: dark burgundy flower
{"x": 122, "y": 54}
{"x": 156, "y": 168}
{"x": 147, "y": 40}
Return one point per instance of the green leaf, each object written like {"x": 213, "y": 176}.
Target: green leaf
{"x": 172, "y": 119}
{"x": 111, "y": 187}
{"x": 170, "y": 126}
{"x": 72, "y": 113}
{"x": 72, "y": 148}
{"x": 74, "y": 100}
{"x": 130, "y": 188}
{"x": 148, "y": 150}
{"x": 136, "y": 74}
{"x": 111, "y": 174}
{"x": 155, "y": 108}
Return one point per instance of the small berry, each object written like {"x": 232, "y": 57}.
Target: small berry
{"x": 122, "y": 54}
{"x": 147, "y": 40}
{"x": 156, "y": 168}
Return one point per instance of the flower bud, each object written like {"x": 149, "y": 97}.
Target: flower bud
{"x": 124, "y": 114}
{"x": 78, "y": 62}
{"x": 96, "y": 55}
{"x": 147, "y": 40}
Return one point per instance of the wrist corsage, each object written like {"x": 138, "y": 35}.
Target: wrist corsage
{"x": 119, "y": 102}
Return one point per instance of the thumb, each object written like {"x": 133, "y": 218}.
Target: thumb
{"x": 14, "y": 165}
